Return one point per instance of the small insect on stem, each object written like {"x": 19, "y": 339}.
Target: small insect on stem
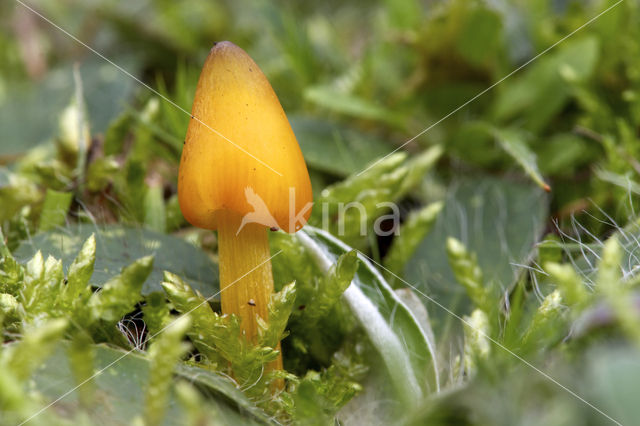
{"x": 251, "y": 302}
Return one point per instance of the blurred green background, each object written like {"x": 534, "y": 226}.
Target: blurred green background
{"x": 543, "y": 166}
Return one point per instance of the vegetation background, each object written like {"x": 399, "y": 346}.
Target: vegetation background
{"x": 510, "y": 295}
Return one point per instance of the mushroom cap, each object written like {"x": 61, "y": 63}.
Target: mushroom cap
{"x": 240, "y": 153}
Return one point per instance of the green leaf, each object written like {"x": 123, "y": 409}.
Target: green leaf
{"x": 610, "y": 283}
{"x": 476, "y": 142}
{"x": 121, "y": 380}
{"x": 154, "y": 210}
{"x": 513, "y": 142}
{"x": 105, "y": 91}
{"x": 185, "y": 299}
{"x": 23, "y": 358}
{"x": 545, "y": 87}
{"x": 117, "y": 246}
{"x": 351, "y": 105}
{"x": 407, "y": 353}
{"x": 55, "y": 208}
{"x": 498, "y": 219}
{"x": 156, "y": 312}
{"x": 612, "y": 375}
{"x": 336, "y": 149}
{"x": 403, "y": 14}
{"x": 480, "y": 36}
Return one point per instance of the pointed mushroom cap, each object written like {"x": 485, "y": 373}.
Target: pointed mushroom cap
{"x": 240, "y": 153}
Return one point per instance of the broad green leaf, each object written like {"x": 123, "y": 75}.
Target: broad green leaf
{"x": 55, "y": 208}
{"x": 497, "y": 219}
{"x": 611, "y": 382}
{"x": 336, "y": 149}
{"x": 117, "y": 246}
{"x": 120, "y": 386}
{"x": 407, "y": 354}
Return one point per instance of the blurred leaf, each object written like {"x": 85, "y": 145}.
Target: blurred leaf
{"x": 55, "y": 208}
{"x": 336, "y": 149}
{"x": 351, "y": 105}
{"x": 101, "y": 172}
{"x": 563, "y": 153}
{"x": 514, "y": 144}
{"x": 121, "y": 389}
{"x": 106, "y": 90}
{"x": 544, "y": 88}
{"x": 480, "y": 36}
{"x": 15, "y": 192}
{"x": 611, "y": 381}
{"x": 476, "y": 142}
{"x": 154, "y": 210}
{"x": 118, "y": 246}
{"x": 499, "y": 220}
{"x": 403, "y": 14}
{"x": 24, "y": 358}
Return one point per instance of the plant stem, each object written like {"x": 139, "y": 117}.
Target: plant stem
{"x": 246, "y": 280}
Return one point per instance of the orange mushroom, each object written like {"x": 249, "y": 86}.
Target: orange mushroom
{"x": 242, "y": 172}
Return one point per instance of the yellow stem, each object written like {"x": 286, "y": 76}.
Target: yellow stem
{"x": 246, "y": 279}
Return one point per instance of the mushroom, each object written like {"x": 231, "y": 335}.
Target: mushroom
{"x": 241, "y": 173}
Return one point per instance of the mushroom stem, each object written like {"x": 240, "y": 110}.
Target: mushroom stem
{"x": 246, "y": 280}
